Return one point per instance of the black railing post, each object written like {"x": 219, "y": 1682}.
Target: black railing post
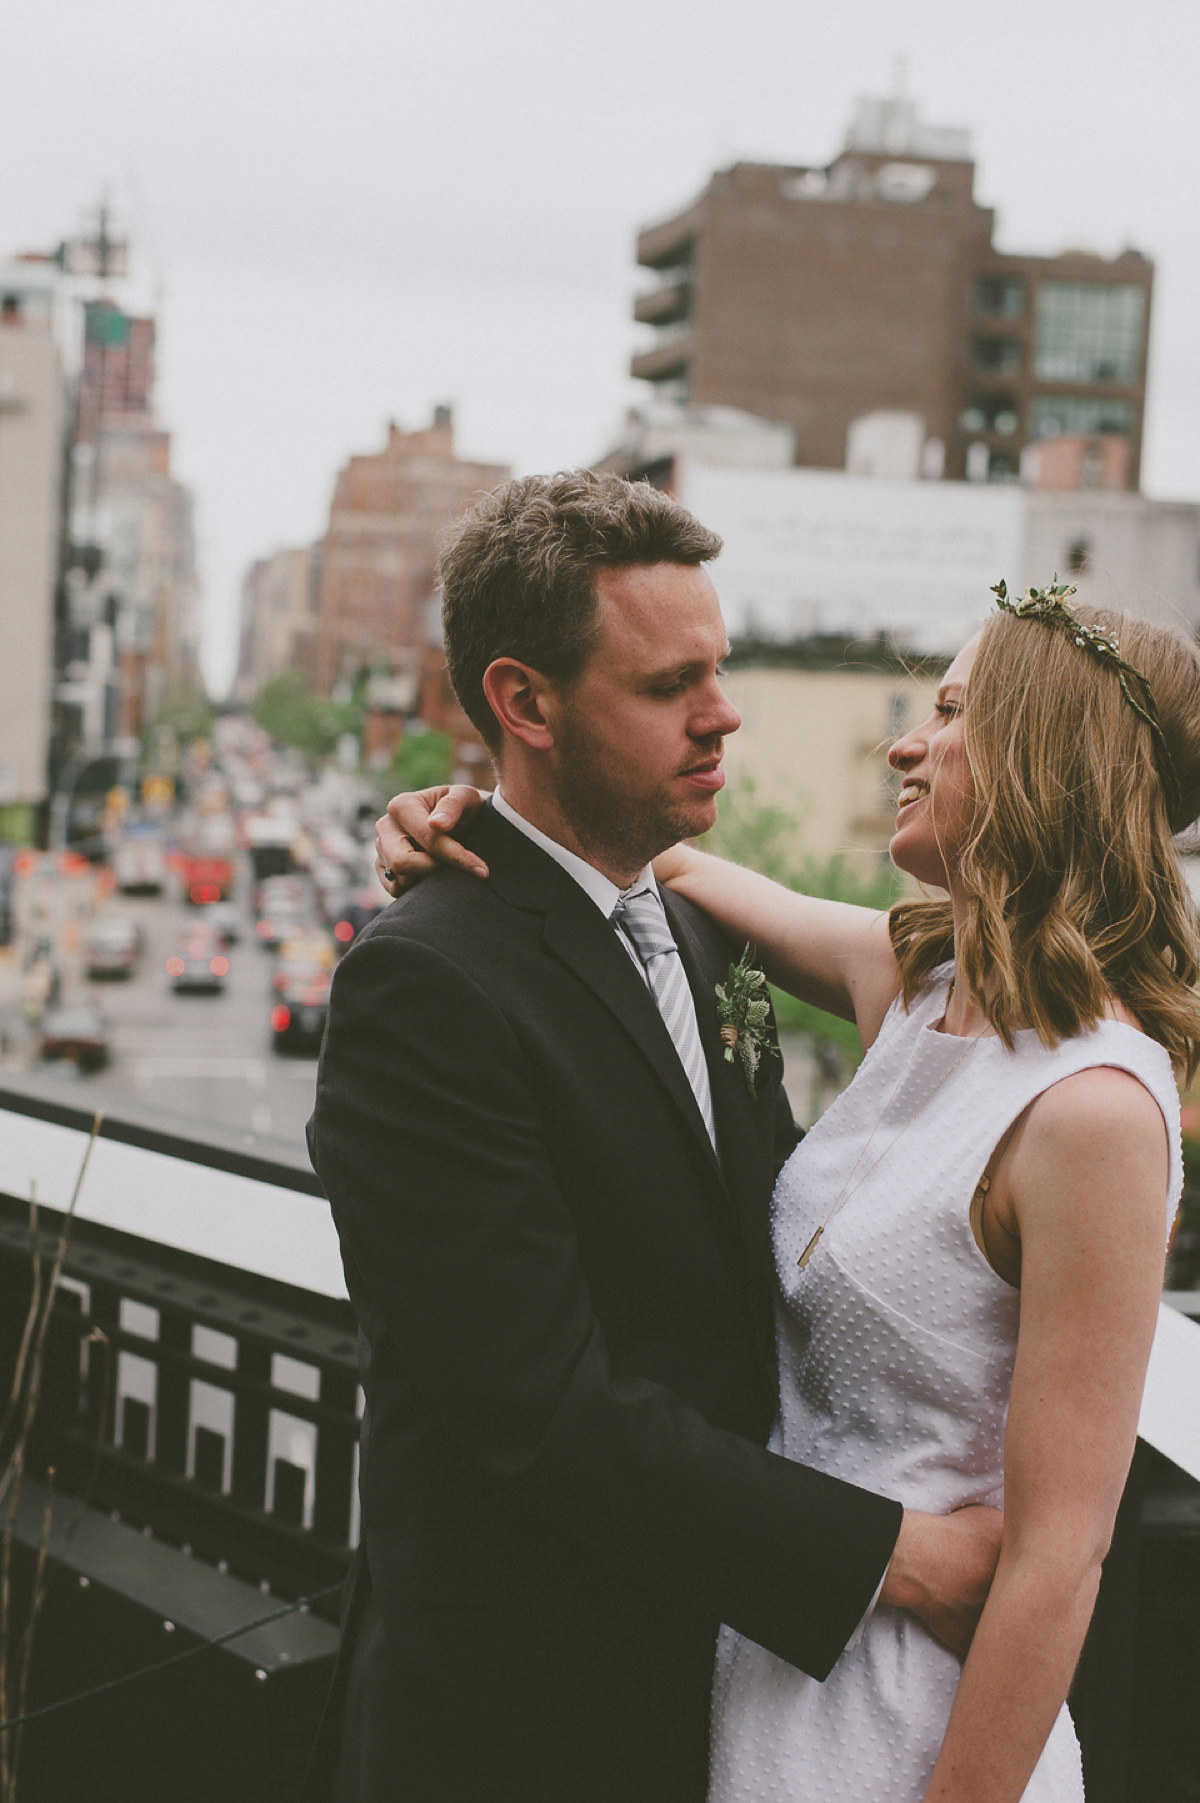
{"x": 1102, "y": 1694}
{"x": 174, "y": 1335}
{"x": 335, "y": 1457}
{"x": 250, "y": 1420}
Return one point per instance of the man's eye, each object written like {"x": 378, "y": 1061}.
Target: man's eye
{"x": 668, "y": 688}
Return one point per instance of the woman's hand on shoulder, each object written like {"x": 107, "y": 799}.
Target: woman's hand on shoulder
{"x": 416, "y": 834}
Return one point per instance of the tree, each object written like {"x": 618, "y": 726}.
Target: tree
{"x": 421, "y": 760}
{"x": 766, "y": 838}
{"x": 286, "y": 707}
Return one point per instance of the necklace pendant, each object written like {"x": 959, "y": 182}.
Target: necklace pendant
{"x": 802, "y": 1261}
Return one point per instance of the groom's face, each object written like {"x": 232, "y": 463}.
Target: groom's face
{"x": 638, "y": 736}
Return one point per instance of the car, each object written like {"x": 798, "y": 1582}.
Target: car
{"x": 363, "y": 908}
{"x": 298, "y": 1016}
{"x": 77, "y": 1033}
{"x": 223, "y": 919}
{"x": 198, "y": 965}
{"x": 113, "y": 948}
{"x": 139, "y": 862}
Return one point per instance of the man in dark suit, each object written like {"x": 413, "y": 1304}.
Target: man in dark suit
{"x": 552, "y": 1195}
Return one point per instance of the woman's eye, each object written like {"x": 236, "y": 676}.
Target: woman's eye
{"x": 948, "y": 710}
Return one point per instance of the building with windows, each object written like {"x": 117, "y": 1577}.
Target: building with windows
{"x": 33, "y": 417}
{"x": 872, "y": 285}
{"x": 279, "y": 618}
{"x": 138, "y": 586}
{"x": 378, "y": 558}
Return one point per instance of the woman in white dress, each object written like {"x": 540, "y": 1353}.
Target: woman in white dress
{"x": 969, "y": 1243}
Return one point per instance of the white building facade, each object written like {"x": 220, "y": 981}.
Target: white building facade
{"x": 815, "y": 553}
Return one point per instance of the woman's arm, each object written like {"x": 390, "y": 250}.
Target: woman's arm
{"x": 829, "y": 953}
{"x": 1086, "y": 1176}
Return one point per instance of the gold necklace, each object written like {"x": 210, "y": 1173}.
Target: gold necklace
{"x": 841, "y": 1199}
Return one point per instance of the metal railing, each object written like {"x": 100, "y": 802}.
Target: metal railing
{"x": 200, "y": 1385}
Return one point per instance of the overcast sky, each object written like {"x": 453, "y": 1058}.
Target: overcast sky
{"x": 357, "y": 208}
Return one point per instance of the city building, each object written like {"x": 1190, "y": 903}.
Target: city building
{"x": 823, "y": 296}
{"x": 813, "y": 554}
{"x": 128, "y": 506}
{"x": 33, "y": 415}
{"x": 378, "y": 564}
{"x": 847, "y": 591}
{"x": 278, "y": 619}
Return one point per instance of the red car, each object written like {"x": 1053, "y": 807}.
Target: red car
{"x": 207, "y": 879}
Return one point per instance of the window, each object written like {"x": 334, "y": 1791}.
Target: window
{"x": 1088, "y": 332}
{"x": 999, "y": 356}
{"x": 990, "y": 413}
{"x": 1000, "y": 295}
{"x": 1052, "y": 414}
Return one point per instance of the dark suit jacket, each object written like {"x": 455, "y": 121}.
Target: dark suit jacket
{"x": 566, "y": 1305}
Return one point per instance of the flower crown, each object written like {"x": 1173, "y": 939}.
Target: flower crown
{"x": 1050, "y": 606}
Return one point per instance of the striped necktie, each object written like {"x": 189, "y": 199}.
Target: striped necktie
{"x": 642, "y": 918}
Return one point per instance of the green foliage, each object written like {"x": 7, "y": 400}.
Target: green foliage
{"x": 421, "y": 761}
{"x": 768, "y": 839}
{"x": 188, "y": 714}
{"x": 287, "y": 708}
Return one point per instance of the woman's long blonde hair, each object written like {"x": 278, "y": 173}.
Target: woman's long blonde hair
{"x": 1075, "y": 891}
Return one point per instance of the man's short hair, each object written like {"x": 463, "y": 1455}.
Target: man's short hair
{"x": 518, "y": 573}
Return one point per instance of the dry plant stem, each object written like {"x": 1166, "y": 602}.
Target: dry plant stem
{"x": 31, "y": 1315}
{"x": 31, "y": 1363}
{"x": 35, "y": 1610}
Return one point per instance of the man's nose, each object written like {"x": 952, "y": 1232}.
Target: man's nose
{"x": 717, "y": 720}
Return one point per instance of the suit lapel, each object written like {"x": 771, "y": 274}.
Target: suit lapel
{"x": 577, "y": 934}
{"x": 580, "y": 937}
{"x": 745, "y": 1166}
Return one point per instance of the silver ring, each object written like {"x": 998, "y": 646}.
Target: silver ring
{"x": 389, "y": 875}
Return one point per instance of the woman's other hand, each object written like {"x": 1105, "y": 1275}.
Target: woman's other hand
{"x": 414, "y": 836}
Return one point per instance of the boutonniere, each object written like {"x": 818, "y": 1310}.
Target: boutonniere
{"x": 743, "y": 1007}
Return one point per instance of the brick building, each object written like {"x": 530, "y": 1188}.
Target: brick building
{"x": 378, "y": 557}
{"x": 872, "y": 286}
{"x": 139, "y": 607}
{"x": 278, "y": 618}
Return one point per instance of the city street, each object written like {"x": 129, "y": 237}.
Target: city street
{"x": 191, "y": 1058}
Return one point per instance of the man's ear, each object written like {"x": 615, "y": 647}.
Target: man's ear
{"x": 516, "y": 694}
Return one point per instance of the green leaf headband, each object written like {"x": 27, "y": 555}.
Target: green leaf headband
{"x": 1050, "y": 606}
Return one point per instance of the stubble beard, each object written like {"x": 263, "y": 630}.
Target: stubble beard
{"x": 625, "y": 829}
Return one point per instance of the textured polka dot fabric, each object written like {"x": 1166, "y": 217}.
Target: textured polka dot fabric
{"x": 897, "y": 1344}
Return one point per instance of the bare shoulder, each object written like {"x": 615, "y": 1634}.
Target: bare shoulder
{"x": 1093, "y": 1113}
{"x": 1090, "y": 1153}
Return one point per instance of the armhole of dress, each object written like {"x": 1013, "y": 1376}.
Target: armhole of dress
{"x": 979, "y": 1197}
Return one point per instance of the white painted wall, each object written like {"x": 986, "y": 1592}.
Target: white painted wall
{"x": 32, "y": 417}
{"x": 824, "y": 551}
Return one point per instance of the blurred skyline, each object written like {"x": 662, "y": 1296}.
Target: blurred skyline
{"x": 353, "y": 212}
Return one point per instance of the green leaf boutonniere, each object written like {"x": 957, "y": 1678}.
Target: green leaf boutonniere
{"x": 743, "y": 1007}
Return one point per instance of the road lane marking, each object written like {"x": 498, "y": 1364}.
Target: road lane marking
{"x": 242, "y": 1070}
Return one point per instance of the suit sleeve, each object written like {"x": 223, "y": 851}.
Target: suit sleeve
{"x": 429, "y": 1141}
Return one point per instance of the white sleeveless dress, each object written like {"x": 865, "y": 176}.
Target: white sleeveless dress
{"x": 896, "y": 1357}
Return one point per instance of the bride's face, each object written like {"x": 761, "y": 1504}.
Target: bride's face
{"x": 937, "y": 797}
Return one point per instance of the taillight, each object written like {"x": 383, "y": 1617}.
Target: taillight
{"x": 343, "y": 932}
{"x": 265, "y": 928}
{"x": 281, "y": 1018}
{"x": 175, "y": 967}
{"x": 205, "y": 892}
{"x": 219, "y": 966}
